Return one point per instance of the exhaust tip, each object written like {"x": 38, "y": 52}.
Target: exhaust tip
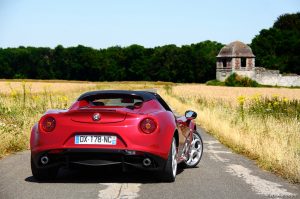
{"x": 44, "y": 160}
{"x": 147, "y": 162}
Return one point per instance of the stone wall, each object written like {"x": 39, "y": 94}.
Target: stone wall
{"x": 246, "y": 73}
{"x": 276, "y": 79}
{"x": 222, "y": 75}
{"x": 262, "y": 76}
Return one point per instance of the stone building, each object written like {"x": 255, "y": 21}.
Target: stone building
{"x": 238, "y": 58}
{"x": 235, "y": 57}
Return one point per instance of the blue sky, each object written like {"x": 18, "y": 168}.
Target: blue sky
{"x": 104, "y": 23}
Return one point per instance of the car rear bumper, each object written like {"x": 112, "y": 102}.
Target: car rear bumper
{"x": 98, "y": 157}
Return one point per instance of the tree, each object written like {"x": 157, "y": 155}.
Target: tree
{"x": 204, "y": 58}
{"x": 288, "y": 22}
{"x": 279, "y": 47}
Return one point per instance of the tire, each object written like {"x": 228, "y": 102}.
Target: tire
{"x": 170, "y": 170}
{"x": 43, "y": 174}
{"x": 195, "y": 151}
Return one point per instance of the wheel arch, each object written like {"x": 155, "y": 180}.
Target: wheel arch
{"x": 176, "y": 135}
{"x": 34, "y": 136}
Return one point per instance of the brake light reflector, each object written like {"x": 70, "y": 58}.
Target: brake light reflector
{"x": 148, "y": 125}
{"x": 48, "y": 124}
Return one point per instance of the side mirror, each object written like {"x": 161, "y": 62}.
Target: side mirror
{"x": 190, "y": 115}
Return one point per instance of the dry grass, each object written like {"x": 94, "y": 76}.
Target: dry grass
{"x": 38, "y": 87}
{"x": 270, "y": 138}
{"x": 55, "y": 86}
{"x": 230, "y": 94}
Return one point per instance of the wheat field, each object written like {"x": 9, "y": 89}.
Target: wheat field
{"x": 262, "y": 123}
{"x": 230, "y": 94}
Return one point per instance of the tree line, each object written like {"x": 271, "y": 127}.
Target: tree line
{"x": 275, "y": 48}
{"x": 189, "y": 63}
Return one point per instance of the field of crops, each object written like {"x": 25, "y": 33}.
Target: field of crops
{"x": 262, "y": 123}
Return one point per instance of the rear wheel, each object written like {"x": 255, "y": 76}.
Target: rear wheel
{"x": 170, "y": 170}
{"x": 195, "y": 151}
{"x": 43, "y": 173}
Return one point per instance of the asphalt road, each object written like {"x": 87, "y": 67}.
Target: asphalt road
{"x": 220, "y": 174}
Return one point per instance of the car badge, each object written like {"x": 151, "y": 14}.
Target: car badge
{"x": 96, "y": 116}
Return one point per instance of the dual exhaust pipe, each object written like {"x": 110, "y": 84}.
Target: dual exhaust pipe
{"x": 146, "y": 162}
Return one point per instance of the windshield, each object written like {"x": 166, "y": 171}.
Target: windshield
{"x": 119, "y": 100}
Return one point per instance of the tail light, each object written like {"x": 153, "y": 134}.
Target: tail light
{"x": 48, "y": 124}
{"x": 148, "y": 125}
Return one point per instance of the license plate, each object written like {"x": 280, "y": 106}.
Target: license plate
{"x": 96, "y": 139}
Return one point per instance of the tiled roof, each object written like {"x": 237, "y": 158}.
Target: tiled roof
{"x": 236, "y": 49}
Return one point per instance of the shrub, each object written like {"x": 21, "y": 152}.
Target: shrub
{"x": 240, "y": 81}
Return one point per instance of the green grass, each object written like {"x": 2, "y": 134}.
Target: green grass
{"x": 215, "y": 83}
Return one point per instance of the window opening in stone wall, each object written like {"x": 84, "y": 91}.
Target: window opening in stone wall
{"x": 229, "y": 60}
{"x": 224, "y": 63}
{"x": 243, "y": 62}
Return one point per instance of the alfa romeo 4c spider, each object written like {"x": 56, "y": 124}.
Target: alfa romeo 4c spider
{"x": 130, "y": 128}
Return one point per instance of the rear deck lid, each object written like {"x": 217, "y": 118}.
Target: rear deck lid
{"x": 98, "y": 116}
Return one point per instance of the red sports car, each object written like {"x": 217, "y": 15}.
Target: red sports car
{"x": 131, "y": 128}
